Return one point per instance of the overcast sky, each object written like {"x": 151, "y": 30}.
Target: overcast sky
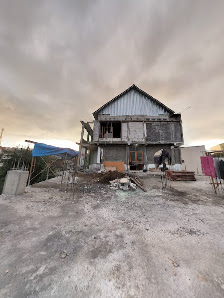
{"x": 61, "y": 60}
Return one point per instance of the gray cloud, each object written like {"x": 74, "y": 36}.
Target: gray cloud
{"x": 61, "y": 60}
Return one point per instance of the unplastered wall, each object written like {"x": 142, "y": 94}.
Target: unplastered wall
{"x": 164, "y": 132}
{"x": 114, "y": 153}
{"x": 133, "y": 131}
{"x": 93, "y": 156}
{"x": 176, "y": 156}
{"x": 174, "y": 152}
{"x": 96, "y": 131}
{"x": 124, "y": 131}
{"x": 152, "y": 149}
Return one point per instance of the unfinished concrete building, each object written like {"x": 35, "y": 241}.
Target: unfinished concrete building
{"x": 128, "y": 130}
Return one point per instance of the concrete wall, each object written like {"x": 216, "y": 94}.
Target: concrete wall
{"x": 124, "y": 131}
{"x": 191, "y": 158}
{"x": 176, "y": 156}
{"x": 110, "y": 153}
{"x": 114, "y": 153}
{"x": 136, "y": 131}
{"x": 96, "y": 131}
{"x": 174, "y": 152}
{"x": 152, "y": 149}
{"x": 15, "y": 182}
{"x": 121, "y": 153}
{"x": 133, "y": 132}
{"x": 93, "y": 156}
{"x": 164, "y": 132}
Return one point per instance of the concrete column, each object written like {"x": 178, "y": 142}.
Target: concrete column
{"x": 98, "y": 155}
{"x": 80, "y": 146}
{"x": 145, "y": 156}
{"x": 15, "y": 182}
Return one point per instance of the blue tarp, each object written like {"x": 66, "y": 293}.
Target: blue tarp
{"x": 43, "y": 150}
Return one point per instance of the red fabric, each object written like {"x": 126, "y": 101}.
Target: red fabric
{"x": 207, "y": 165}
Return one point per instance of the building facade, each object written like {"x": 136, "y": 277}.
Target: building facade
{"x": 130, "y": 129}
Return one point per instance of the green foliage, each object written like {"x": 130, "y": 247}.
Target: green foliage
{"x": 21, "y": 158}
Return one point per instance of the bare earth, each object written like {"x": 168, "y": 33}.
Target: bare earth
{"x": 99, "y": 242}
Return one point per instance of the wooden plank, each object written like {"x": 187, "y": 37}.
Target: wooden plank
{"x": 138, "y": 184}
{"x": 118, "y": 164}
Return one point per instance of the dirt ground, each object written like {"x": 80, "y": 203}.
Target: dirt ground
{"x": 99, "y": 242}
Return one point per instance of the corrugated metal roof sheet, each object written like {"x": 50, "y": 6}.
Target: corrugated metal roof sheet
{"x": 134, "y": 101}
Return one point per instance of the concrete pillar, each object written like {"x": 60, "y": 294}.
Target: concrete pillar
{"x": 145, "y": 156}
{"x": 98, "y": 155}
{"x": 15, "y": 182}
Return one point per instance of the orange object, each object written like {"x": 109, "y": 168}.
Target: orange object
{"x": 118, "y": 164}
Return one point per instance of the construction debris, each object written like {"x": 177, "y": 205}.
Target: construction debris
{"x": 124, "y": 183}
{"x": 127, "y": 183}
{"x": 180, "y": 175}
{"x": 109, "y": 176}
{"x": 138, "y": 183}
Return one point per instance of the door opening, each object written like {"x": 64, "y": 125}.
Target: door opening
{"x": 136, "y": 158}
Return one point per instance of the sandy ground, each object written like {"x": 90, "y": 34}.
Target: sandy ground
{"x": 99, "y": 242}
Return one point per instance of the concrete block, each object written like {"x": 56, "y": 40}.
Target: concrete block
{"x": 132, "y": 186}
{"x": 123, "y": 187}
{"x": 15, "y": 182}
{"x": 124, "y": 181}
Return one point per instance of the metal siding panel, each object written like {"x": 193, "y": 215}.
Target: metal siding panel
{"x": 133, "y": 103}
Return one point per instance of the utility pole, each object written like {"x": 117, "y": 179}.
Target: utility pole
{"x": 1, "y": 135}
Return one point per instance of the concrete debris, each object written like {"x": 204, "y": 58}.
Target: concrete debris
{"x": 132, "y": 186}
{"x": 123, "y": 183}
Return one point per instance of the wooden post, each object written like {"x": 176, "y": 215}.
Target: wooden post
{"x": 213, "y": 184}
{"x": 31, "y": 170}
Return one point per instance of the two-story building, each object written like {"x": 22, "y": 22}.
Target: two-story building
{"x": 129, "y": 129}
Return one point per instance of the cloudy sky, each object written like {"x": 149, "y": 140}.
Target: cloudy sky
{"x": 60, "y": 60}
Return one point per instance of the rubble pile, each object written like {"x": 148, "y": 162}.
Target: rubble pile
{"x": 108, "y": 176}
{"x": 127, "y": 183}
{"x": 123, "y": 183}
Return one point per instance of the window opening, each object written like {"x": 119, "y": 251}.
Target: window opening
{"x": 110, "y": 130}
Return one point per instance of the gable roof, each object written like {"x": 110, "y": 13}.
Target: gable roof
{"x": 134, "y": 87}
